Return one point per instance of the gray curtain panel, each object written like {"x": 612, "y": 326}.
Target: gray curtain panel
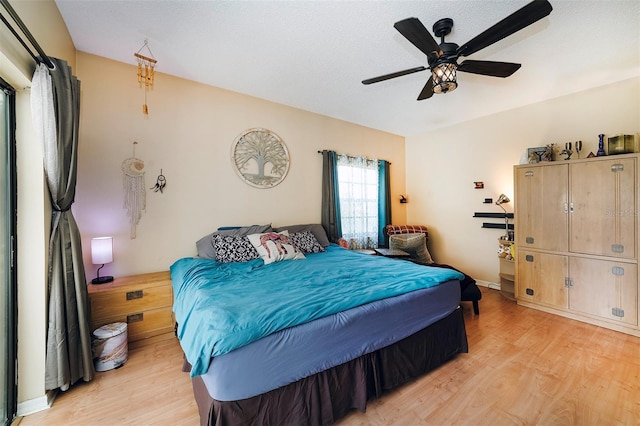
{"x": 69, "y": 356}
{"x": 330, "y": 218}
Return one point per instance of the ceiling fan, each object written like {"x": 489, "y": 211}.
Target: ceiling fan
{"x": 442, "y": 58}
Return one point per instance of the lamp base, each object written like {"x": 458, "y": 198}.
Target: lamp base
{"x": 102, "y": 280}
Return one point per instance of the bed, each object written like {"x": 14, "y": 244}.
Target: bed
{"x": 307, "y": 338}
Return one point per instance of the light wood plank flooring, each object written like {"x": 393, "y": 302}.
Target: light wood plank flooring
{"x": 524, "y": 367}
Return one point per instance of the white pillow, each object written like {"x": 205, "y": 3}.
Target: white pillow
{"x": 415, "y": 244}
{"x": 274, "y": 247}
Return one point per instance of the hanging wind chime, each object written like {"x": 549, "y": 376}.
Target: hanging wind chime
{"x": 135, "y": 196}
{"x": 146, "y": 71}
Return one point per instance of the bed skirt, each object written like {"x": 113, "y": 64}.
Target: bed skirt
{"x": 325, "y": 397}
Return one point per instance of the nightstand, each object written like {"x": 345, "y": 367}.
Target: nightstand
{"x": 143, "y": 301}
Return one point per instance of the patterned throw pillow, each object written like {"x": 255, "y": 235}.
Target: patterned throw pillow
{"x": 230, "y": 248}
{"x": 274, "y": 247}
{"x": 306, "y": 242}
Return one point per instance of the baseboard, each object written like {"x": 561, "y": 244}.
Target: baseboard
{"x": 37, "y": 404}
{"x": 489, "y": 284}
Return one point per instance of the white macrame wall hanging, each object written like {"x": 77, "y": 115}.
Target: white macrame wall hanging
{"x": 135, "y": 196}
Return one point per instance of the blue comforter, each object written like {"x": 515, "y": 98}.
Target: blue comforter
{"x": 222, "y": 306}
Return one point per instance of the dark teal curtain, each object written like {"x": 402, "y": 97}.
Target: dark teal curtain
{"x": 384, "y": 201}
{"x": 330, "y": 199}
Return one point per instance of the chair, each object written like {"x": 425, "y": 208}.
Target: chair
{"x": 469, "y": 291}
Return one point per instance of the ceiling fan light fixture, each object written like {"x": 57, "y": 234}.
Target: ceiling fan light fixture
{"x": 444, "y": 77}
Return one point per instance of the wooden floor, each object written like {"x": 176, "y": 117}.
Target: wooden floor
{"x": 524, "y": 367}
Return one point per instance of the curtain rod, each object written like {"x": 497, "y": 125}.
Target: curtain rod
{"x": 43, "y": 56}
{"x": 351, "y": 156}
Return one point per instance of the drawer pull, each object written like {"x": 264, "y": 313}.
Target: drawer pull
{"x": 132, "y": 295}
{"x": 617, "y": 248}
{"x": 617, "y": 270}
{"x": 528, "y": 258}
{"x": 528, "y": 174}
{"x": 135, "y": 317}
{"x": 529, "y": 240}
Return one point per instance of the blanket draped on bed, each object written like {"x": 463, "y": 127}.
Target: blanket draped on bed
{"x": 222, "y": 306}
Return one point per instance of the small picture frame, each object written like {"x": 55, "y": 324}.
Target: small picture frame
{"x": 534, "y": 155}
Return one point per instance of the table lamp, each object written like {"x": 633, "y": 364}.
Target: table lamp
{"x": 502, "y": 199}
{"x": 101, "y": 253}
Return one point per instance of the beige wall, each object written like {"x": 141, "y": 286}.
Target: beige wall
{"x": 188, "y": 134}
{"x": 34, "y": 212}
{"x": 443, "y": 165}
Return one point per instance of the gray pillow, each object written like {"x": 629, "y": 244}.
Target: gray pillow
{"x": 316, "y": 229}
{"x": 414, "y": 244}
{"x": 206, "y": 245}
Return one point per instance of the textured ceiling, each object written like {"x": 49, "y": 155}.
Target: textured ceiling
{"x": 313, "y": 55}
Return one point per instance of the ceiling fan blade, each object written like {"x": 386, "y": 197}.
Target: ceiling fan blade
{"x": 427, "y": 90}
{"x": 491, "y": 68}
{"x": 392, "y": 75}
{"x": 518, "y": 20}
{"x": 413, "y": 30}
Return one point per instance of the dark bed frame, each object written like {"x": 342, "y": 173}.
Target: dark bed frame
{"x": 325, "y": 397}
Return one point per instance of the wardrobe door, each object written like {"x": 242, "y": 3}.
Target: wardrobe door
{"x": 603, "y": 208}
{"x": 605, "y": 289}
{"x": 541, "y": 278}
{"x": 541, "y": 207}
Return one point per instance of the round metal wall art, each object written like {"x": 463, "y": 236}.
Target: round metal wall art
{"x": 260, "y": 158}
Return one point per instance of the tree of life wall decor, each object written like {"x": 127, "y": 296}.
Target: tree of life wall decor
{"x": 260, "y": 158}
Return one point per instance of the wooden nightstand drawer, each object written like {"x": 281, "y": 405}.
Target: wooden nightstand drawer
{"x": 129, "y": 300}
{"x": 143, "y": 324}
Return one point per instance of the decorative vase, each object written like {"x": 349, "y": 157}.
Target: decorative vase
{"x": 600, "y": 152}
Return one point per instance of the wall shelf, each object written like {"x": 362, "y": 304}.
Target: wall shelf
{"x": 495, "y": 225}
{"x": 493, "y": 215}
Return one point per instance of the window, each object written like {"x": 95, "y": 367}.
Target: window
{"x": 8, "y": 312}
{"x": 356, "y": 203}
{"x": 358, "y": 188}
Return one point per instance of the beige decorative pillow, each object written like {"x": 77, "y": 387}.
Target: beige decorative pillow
{"x": 275, "y": 246}
{"x": 414, "y": 244}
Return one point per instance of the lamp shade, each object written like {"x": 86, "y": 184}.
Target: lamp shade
{"x": 502, "y": 199}
{"x": 101, "y": 250}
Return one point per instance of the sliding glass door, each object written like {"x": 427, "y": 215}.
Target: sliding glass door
{"x": 8, "y": 267}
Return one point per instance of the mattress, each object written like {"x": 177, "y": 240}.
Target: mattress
{"x": 301, "y": 351}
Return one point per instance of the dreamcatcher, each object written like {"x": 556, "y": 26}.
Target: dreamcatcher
{"x": 161, "y": 182}
{"x": 135, "y": 199}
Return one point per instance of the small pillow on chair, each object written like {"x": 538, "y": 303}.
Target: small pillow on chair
{"x": 414, "y": 244}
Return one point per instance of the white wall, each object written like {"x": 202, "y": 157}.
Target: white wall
{"x": 188, "y": 134}
{"x": 443, "y": 165}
